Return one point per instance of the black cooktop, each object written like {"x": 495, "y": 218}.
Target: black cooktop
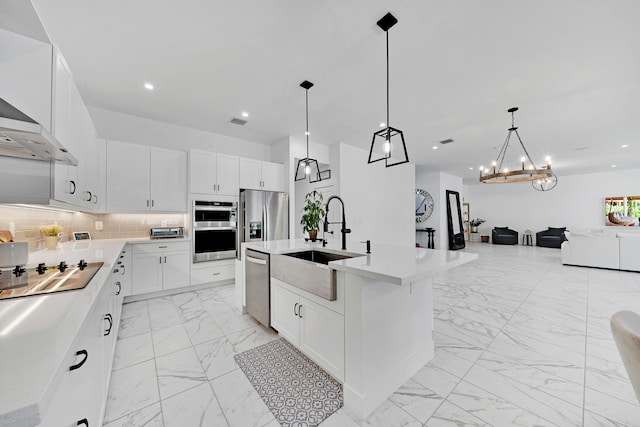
{"x": 20, "y": 282}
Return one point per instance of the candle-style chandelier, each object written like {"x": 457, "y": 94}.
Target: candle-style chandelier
{"x": 499, "y": 174}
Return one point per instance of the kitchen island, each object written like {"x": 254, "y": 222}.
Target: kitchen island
{"x": 377, "y": 333}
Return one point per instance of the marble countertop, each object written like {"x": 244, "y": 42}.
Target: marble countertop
{"x": 393, "y": 264}
{"x": 36, "y": 332}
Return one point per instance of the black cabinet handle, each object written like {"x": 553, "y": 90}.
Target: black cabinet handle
{"x": 124, "y": 270}
{"x": 89, "y": 196}
{"x": 108, "y": 318}
{"x": 74, "y": 187}
{"x": 294, "y": 309}
{"x": 119, "y": 288}
{"x": 83, "y": 422}
{"x": 82, "y": 362}
{"x": 95, "y": 199}
{"x": 300, "y": 311}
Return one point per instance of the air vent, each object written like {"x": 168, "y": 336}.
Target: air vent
{"x": 446, "y": 141}
{"x": 237, "y": 121}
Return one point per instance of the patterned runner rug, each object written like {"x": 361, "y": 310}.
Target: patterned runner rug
{"x": 296, "y": 390}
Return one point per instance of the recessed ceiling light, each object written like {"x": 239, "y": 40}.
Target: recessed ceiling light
{"x": 148, "y": 86}
{"x": 624, "y": 145}
{"x": 245, "y": 114}
{"x": 382, "y": 124}
{"x": 435, "y": 147}
{"x": 613, "y": 166}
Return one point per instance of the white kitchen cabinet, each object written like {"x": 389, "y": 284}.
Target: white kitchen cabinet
{"x": 259, "y": 175}
{"x": 157, "y": 267}
{"x": 80, "y": 397}
{"x": 121, "y": 273}
{"x": 214, "y": 271}
{"x": 316, "y": 330}
{"x": 214, "y": 173}
{"x": 144, "y": 179}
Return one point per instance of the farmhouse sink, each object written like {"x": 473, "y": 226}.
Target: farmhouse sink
{"x": 308, "y": 270}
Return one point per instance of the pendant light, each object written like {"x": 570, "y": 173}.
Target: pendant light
{"x": 386, "y": 142}
{"x": 499, "y": 175}
{"x": 308, "y": 167}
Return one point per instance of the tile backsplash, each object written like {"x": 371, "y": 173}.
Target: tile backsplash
{"x": 25, "y": 222}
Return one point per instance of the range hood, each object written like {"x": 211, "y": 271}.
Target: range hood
{"x": 23, "y": 137}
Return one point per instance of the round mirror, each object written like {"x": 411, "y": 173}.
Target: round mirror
{"x": 424, "y": 205}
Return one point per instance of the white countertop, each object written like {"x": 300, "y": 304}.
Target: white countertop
{"x": 36, "y": 332}
{"x": 393, "y": 264}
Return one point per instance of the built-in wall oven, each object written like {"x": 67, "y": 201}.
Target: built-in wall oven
{"x": 215, "y": 230}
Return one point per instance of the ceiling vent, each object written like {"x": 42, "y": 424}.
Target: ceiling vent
{"x": 237, "y": 121}
{"x": 446, "y": 141}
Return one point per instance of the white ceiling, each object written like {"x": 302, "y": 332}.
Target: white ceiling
{"x": 572, "y": 67}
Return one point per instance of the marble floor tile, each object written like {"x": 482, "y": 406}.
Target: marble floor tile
{"x": 202, "y": 329}
{"x": 233, "y": 322}
{"x": 340, "y": 418}
{"x": 170, "y": 339}
{"x": 436, "y": 379}
{"x": 131, "y": 389}
{"x": 132, "y": 309}
{"x": 197, "y": 407}
{"x": 492, "y": 409}
{"x": 240, "y": 402}
{"x": 163, "y": 315}
{"x": 179, "y": 371}
{"x": 450, "y": 415}
{"x": 610, "y": 378}
{"x": 150, "y": 416}
{"x": 388, "y": 414}
{"x": 250, "y": 338}
{"x": 616, "y": 410}
{"x": 417, "y": 400}
{"x": 216, "y": 357}
{"x": 133, "y": 350}
{"x": 134, "y": 325}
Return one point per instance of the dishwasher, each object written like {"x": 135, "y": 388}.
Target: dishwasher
{"x": 257, "y": 286}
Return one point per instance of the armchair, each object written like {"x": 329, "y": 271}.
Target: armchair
{"x": 551, "y": 237}
{"x": 504, "y": 236}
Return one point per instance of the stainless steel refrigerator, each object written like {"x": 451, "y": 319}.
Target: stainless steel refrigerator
{"x": 262, "y": 215}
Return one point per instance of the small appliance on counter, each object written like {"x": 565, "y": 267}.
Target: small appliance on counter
{"x": 13, "y": 253}
{"x": 166, "y": 232}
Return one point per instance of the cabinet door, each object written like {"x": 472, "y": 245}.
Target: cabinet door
{"x": 146, "y": 272}
{"x": 176, "y": 267}
{"x": 168, "y": 180}
{"x": 272, "y": 174}
{"x": 251, "y": 174}
{"x": 322, "y": 336}
{"x": 284, "y": 308}
{"x": 127, "y": 177}
{"x": 228, "y": 175}
{"x": 202, "y": 172}
{"x": 62, "y": 81}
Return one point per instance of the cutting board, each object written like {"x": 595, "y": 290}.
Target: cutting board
{"x": 5, "y": 236}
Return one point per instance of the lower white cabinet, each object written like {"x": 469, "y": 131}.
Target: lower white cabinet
{"x": 159, "y": 266}
{"x": 80, "y": 398}
{"x": 214, "y": 271}
{"x": 316, "y": 330}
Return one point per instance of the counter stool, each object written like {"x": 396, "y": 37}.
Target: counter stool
{"x": 527, "y": 238}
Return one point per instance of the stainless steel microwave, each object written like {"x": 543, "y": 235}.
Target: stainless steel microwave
{"x": 215, "y": 230}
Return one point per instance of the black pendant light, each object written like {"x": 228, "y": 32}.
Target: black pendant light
{"x": 386, "y": 142}
{"x": 308, "y": 167}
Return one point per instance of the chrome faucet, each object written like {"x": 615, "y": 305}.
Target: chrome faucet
{"x": 344, "y": 229}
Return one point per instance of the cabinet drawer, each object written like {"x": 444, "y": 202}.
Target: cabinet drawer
{"x": 145, "y": 248}
{"x": 212, "y": 274}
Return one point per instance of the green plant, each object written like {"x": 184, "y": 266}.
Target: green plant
{"x": 51, "y": 230}
{"x": 313, "y": 211}
{"x": 476, "y": 222}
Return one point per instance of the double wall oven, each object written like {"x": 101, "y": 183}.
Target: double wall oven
{"x": 215, "y": 230}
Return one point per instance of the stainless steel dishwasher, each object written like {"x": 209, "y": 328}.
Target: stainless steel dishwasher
{"x": 257, "y": 286}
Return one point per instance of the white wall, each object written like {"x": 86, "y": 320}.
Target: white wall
{"x": 437, "y": 184}
{"x": 577, "y": 202}
{"x": 138, "y": 130}
{"x": 379, "y": 201}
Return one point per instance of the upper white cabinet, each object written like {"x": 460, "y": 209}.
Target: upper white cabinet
{"x": 214, "y": 173}
{"x": 142, "y": 179}
{"x": 258, "y": 175}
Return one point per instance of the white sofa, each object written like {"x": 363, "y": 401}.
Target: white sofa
{"x": 618, "y": 251}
